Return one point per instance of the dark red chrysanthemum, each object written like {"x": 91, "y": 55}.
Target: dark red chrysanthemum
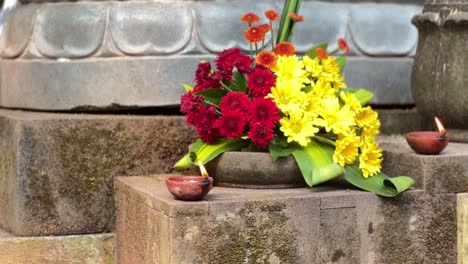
{"x": 235, "y": 101}
{"x": 296, "y": 17}
{"x": 260, "y": 81}
{"x": 271, "y": 14}
{"x": 190, "y": 103}
{"x": 343, "y": 44}
{"x": 203, "y": 72}
{"x": 285, "y": 48}
{"x": 225, "y": 62}
{"x": 204, "y": 121}
{"x": 212, "y": 81}
{"x": 254, "y": 34}
{"x": 266, "y": 58}
{"x": 321, "y": 53}
{"x": 231, "y": 124}
{"x": 261, "y": 135}
{"x": 265, "y": 111}
{"x": 250, "y": 18}
{"x": 243, "y": 63}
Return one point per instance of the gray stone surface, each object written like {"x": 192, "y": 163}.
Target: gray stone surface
{"x": 318, "y": 225}
{"x": 56, "y": 170}
{"x": 400, "y": 121}
{"x": 85, "y": 249}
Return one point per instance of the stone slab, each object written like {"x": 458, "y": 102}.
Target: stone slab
{"x": 56, "y": 170}
{"x": 443, "y": 173}
{"x": 85, "y": 249}
{"x": 126, "y": 83}
{"x": 399, "y": 121}
{"x": 282, "y": 226}
{"x": 462, "y": 228}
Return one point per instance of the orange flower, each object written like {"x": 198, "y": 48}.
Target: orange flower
{"x": 250, "y": 18}
{"x": 296, "y": 17}
{"x": 343, "y": 44}
{"x": 271, "y": 14}
{"x": 321, "y": 53}
{"x": 265, "y": 27}
{"x": 266, "y": 58}
{"x": 254, "y": 34}
{"x": 285, "y": 48}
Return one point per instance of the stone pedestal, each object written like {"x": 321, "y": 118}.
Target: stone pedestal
{"x": 56, "y": 170}
{"x": 106, "y": 55}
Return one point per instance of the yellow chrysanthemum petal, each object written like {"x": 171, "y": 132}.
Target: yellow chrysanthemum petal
{"x": 336, "y": 119}
{"x": 297, "y": 128}
{"x": 287, "y": 95}
{"x": 290, "y": 68}
{"x": 347, "y": 149}
{"x": 370, "y": 159}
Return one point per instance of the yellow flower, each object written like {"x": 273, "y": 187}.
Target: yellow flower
{"x": 331, "y": 73}
{"x": 311, "y": 104}
{"x": 290, "y": 68}
{"x": 323, "y": 89}
{"x": 347, "y": 149}
{"x": 312, "y": 66}
{"x": 336, "y": 119}
{"x": 298, "y": 128}
{"x": 370, "y": 159}
{"x": 366, "y": 116}
{"x": 330, "y": 65}
{"x": 287, "y": 95}
{"x": 370, "y": 131}
{"x": 350, "y": 100}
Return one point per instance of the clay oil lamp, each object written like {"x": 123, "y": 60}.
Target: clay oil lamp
{"x": 190, "y": 188}
{"x": 429, "y": 142}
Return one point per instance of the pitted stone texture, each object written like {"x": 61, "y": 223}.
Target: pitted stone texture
{"x": 462, "y": 224}
{"x": 385, "y": 30}
{"x": 400, "y": 121}
{"x": 443, "y": 173}
{"x": 146, "y": 28}
{"x": 317, "y": 225}
{"x": 86, "y": 249}
{"x": 65, "y": 164}
{"x": 108, "y": 84}
{"x": 150, "y": 29}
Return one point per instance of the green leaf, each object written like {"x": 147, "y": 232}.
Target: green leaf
{"x": 362, "y": 95}
{"x": 239, "y": 82}
{"x": 286, "y": 24}
{"x": 341, "y": 61}
{"x": 316, "y": 163}
{"x": 187, "y": 161}
{"x": 208, "y": 152}
{"x": 187, "y": 87}
{"x": 312, "y": 53}
{"x": 213, "y": 95}
{"x": 379, "y": 184}
{"x": 278, "y": 150}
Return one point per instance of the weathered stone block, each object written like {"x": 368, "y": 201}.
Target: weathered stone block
{"x": 57, "y": 169}
{"x": 400, "y": 121}
{"x": 86, "y": 249}
{"x": 444, "y": 173}
{"x": 462, "y": 224}
{"x": 318, "y": 225}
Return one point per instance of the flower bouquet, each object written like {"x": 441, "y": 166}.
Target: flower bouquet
{"x": 287, "y": 105}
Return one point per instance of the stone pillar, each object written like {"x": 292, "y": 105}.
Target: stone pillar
{"x": 108, "y": 55}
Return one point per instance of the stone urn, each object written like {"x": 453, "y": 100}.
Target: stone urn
{"x": 440, "y": 71}
{"x": 256, "y": 170}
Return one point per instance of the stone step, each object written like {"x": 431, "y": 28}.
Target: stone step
{"x": 83, "y": 249}
{"x": 56, "y": 170}
{"x": 325, "y": 224}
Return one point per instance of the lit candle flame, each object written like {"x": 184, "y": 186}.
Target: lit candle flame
{"x": 439, "y": 125}
{"x": 203, "y": 171}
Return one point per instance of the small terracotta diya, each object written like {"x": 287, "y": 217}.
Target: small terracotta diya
{"x": 190, "y": 188}
{"x": 429, "y": 142}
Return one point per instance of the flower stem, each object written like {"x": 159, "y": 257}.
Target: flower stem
{"x": 325, "y": 140}
{"x": 272, "y": 36}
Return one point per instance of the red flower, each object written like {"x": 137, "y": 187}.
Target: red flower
{"x": 235, "y": 101}
{"x": 250, "y": 18}
{"x": 231, "y": 124}
{"x": 212, "y": 81}
{"x": 254, "y": 34}
{"x": 271, "y": 14}
{"x": 225, "y": 62}
{"x": 243, "y": 63}
{"x": 285, "y": 48}
{"x": 296, "y": 17}
{"x": 343, "y": 44}
{"x": 265, "y": 27}
{"x": 264, "y": 111}
{"x": 190, "y": 103}
{"x": 266, "y": 58}
{"x": 204, "y": 121}
{"x": 260, "y": 82}
{"x": 203, "y": 72}
{"x": 321, "y": 53}
{"x": 261, "y": 135}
